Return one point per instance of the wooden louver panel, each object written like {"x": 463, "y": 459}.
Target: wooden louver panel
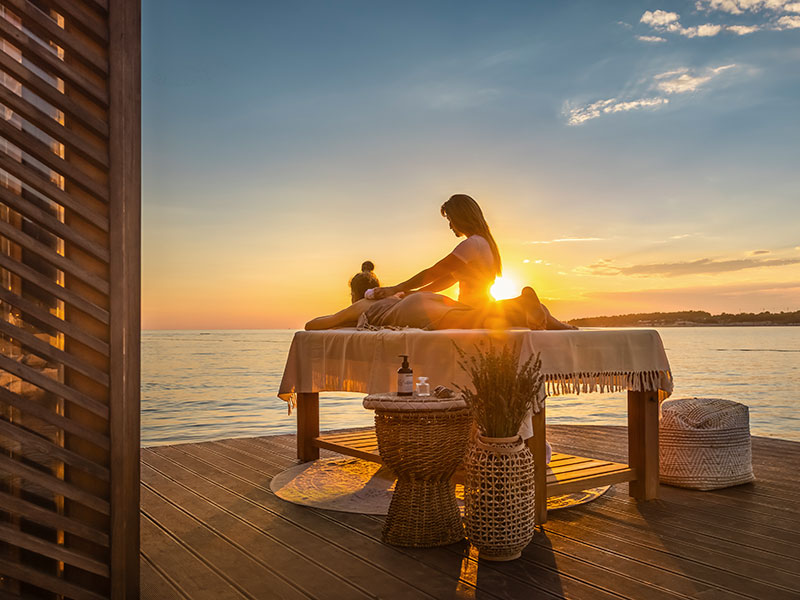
{"x": 69, "y": 298}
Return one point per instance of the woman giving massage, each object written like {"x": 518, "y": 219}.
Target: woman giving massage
{"x": 474, "y": 264}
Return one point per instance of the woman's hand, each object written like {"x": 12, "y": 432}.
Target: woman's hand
{"x": 384, "y": 292}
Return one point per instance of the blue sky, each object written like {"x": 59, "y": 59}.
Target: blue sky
{"x": 653, "y": 145}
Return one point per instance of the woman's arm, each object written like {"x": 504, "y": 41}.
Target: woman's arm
{"x": 440, "y": 284}
{"x": 444, "y": 268}
{"x": 347, "y": 317}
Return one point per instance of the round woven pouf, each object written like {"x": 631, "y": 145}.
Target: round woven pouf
{"x": 423, "y": 443}
{"x": 499, "y": 497}
{"x": 704, "y": 443}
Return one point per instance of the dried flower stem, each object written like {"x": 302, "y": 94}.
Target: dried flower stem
{"x": 504, "y": 391}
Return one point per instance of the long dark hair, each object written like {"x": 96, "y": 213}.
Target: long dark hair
{"x": 363, "y": 281}
{"x": 467, "y": 217}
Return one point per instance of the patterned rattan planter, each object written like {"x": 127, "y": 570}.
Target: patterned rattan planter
{"x": 499, "y": 497}
{"x": 423, "y": 441}
{"x": 704, "y": 443}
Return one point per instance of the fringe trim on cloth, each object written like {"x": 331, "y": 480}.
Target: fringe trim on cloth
{"x": 636, "y": 381}
{"x": 557, "y": 384}
{"x": 364, "y": 325}
{"x": 369, "y": 327}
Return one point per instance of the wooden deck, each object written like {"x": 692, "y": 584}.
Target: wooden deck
{"x": 211, "y": 528}
{"x": 565, "y": 473}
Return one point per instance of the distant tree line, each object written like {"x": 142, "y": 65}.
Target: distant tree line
{"x": 689, "y": 318}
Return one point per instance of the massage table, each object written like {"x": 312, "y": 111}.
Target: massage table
{"x": 585, "y": 361}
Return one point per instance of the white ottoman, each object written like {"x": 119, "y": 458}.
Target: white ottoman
{"x": 704, "y": 443}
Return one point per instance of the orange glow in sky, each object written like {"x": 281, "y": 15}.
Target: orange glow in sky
{"x": 303, "y": 271}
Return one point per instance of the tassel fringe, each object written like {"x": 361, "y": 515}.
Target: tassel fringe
{"x": 577, "y": 383}
{"x": 557, "y": 384}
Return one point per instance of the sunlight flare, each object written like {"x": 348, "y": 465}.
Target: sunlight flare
{"x": 504, "y": 288}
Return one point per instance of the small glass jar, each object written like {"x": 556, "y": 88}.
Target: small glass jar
{"x": 423, "y": 387}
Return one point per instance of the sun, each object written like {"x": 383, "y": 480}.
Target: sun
{"x": 504, "y": 288}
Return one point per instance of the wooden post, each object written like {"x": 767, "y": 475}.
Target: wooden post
{"x": 125, "y": 283}
{"x": 538, "y": 446}
{"x": 307, "y": 426}
{"x": 643, "y": 443}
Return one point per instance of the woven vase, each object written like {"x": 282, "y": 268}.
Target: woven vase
{"x": 499, "y": 497}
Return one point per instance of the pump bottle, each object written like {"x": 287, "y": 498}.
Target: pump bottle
{"x": 405, "y": 378}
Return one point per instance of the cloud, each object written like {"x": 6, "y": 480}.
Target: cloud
{"x": 562, "y": 240}
{"x": 634, "y": 104}
{"x": 733, "y": 289}
{"x": 677, "y": 81}
{"x": 743, "y": 29}
{"x": 581, "y": 114}
{"x": 695, "y": 267}
{"x": 680, "y": 84}
{"x": 735, "y": 297}
{"x": 664, "y": 21}
{"x": 774, "y": 14}
{"x": 651, "y": 38}
{"x": 659, "y": 18}
{"x": 757, "y": 252}
{"x": 707, "y": 30}
{"x": 787, "y": 22}
{"x": 738, "y": 7}
{"x": 681, "y": 81}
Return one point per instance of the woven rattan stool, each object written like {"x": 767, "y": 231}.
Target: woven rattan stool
{"x": 704, "y": 443}
{"x": 423, "y": 440}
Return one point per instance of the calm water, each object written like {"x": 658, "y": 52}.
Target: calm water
{"x": 200, "y": 385}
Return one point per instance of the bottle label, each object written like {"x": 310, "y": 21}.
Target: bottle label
{"x": 405, "y": 384}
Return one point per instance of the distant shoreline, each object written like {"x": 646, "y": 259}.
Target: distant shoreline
{"x": 692, "y": 318}
{"x": 695, "y": 324}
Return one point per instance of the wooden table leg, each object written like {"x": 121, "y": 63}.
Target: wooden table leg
{"x": 540, "y": 467}
{"x": 307, "y": 426}
{"x": 643, "y": 443}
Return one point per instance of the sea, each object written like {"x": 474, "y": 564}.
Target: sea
{"x": 207, "y": 385}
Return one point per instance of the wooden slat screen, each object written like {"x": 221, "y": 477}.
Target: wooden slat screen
{"x": 69, "y": 298}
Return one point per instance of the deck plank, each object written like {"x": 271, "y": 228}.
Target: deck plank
{"x": 188, "y": 573}
{"x": 218, "y": 551}
{"x": 614, "y": 517}
{"x": 511, "y": 580}
{"x": 264, "y": 539}
{"x": 705, "y": 561}
{"x": 358, "y": 559}
{"x": 212, "y": 528}
{"x": 156, "y": 583}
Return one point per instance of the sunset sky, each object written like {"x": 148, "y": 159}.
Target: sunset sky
{"x": 629, "y": 156}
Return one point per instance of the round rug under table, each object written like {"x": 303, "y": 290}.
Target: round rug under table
{"x": 360, "y": 486}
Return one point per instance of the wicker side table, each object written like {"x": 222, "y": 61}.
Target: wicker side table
{"x": 423, "y": 441}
